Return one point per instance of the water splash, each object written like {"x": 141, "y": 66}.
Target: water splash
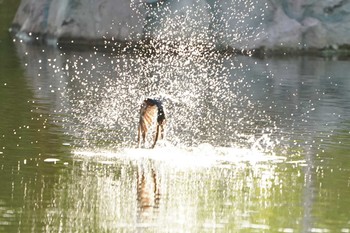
{"x": 201, "y": 94}
{"x": 204, "y": 24}
{"x": 208, "y": 95}
{"x": 202, "y": 156}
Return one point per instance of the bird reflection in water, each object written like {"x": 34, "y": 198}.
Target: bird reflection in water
{"x": 148, "y": 193}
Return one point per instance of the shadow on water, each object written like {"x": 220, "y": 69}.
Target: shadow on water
{"x": 252, "y": 145}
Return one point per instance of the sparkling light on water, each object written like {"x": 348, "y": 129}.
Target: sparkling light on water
{"x": 204, "y": 92}
{"x": 201, "y": 99}
{"x": 242, "y": 132}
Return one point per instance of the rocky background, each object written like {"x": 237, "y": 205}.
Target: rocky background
{"x": 285, "y": 25}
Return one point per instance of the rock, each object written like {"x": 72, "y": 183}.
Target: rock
{"x": 315, "y": 34}
{"x": 182, "y": 21}
{"x": 282, "y": 31}
{"x": 271, "y": 24}
{"x": 78, "y": 19}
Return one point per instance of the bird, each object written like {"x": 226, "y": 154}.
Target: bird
{"x": 151, "y": 112}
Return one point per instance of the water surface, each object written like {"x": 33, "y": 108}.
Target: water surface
{"x": 252, "y": 145}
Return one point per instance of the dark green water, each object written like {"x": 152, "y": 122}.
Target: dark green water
{"x": 253, "y": 145}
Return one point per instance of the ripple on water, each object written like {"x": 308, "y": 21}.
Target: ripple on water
{"x": 204, "y": 155}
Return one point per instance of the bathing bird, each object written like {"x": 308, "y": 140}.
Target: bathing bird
{"x": 151, "y": 113}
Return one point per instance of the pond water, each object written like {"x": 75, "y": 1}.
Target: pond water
{"x": 252, "y": 145}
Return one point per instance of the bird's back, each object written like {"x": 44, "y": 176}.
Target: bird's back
{"x": 148, "y": 116}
